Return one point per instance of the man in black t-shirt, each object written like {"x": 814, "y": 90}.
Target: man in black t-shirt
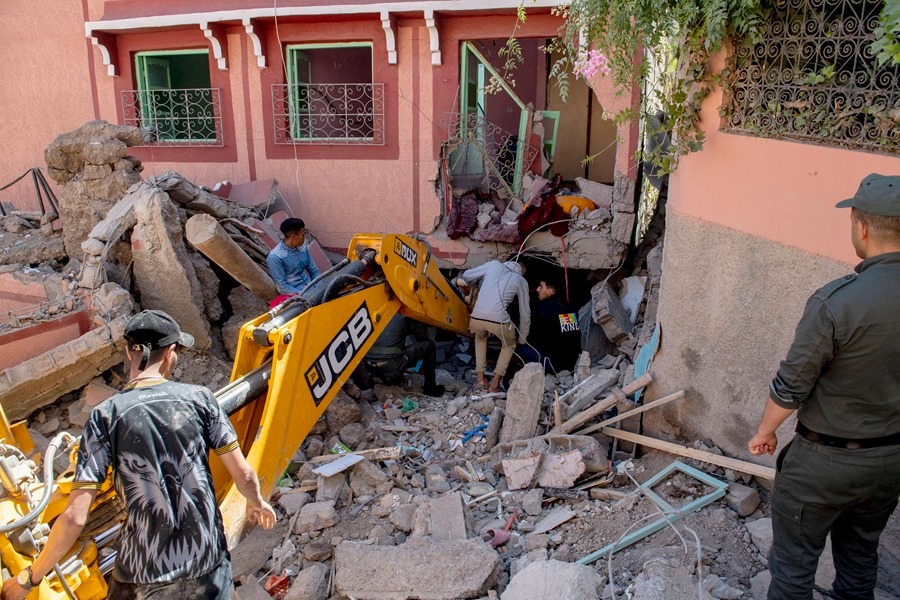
{"x": 555, "y": 339}
{"x": 156, "y": 436}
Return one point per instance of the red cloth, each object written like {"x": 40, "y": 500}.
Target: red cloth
{"x": 278, "y": 300}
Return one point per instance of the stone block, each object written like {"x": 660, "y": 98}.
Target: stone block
{"x": 448, "y": 518}
{"x": 554, "y": 580}
{"x": 623, "y": 226}
{"x": 341, "y": 411}
{"x": 251, "y": 553}
{"x": 436, "y": 480}
{"x": 759, "y": 585}
{"x": 761, "y": 533}
{"x": 593, "y": 338}
{"x": 293, "y": 501}
{"x": 609, "y": 313}
{"x": 353, "y": 434}
{"x": 416, "y": 569}
{"x": 523, "y": 404}
{"x": 402, "y": 517}
{"x": 742, "y": 499}
{"x": 532, "y": 502}
{"x": 330, "y": 488}
{"x": 661, "y": 581}
{"x": 600, "y": 193}
{"x": 96, "y": 392}
{"x": 315, "y": 517}
{"x": 310, "y": 584}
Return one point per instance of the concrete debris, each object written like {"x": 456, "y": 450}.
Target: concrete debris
{"x": 448, "y": 518}
{"x": 759, "y": 585}
{"x": 245, "y": 305}
{"x": 554, "y": 580}
{"x": 609, "y": 313}
{"x": 761, "y": 533}
{"x": 311, "y": 583}
{"x": 523, "y": 404}
{"x": 717, "y": 588}
{"x": 291, "y": 502}
{"x": 416, "y": 569}
{"x": 583, "y": 395}
{"x": 163, "y": 271}
{"x": 206, "y": 234}
{"x": 93, "y": 171}
{"x": 661, "y": 581}
{"x": 315, "y": 517}
{"x": 742, "y": 499}
{"x": 43, "y": 379}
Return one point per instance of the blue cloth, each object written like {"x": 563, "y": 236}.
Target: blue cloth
{"x": 291, "y": 268}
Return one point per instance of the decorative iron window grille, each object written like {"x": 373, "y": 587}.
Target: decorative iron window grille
{"x": 486, "y": 155}
{"x": 813, "y": 78}
{"x": 329, "y": 113}
{"x": 189, "y": 117}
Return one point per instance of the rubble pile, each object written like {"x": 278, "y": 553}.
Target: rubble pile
{"x": 395, "y": 495}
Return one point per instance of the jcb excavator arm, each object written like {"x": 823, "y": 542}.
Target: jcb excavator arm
{"x": 291, "y": 361}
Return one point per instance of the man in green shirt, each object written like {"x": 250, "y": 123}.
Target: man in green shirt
{"x": 841, "y": 473}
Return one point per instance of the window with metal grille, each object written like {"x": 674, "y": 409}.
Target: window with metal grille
{"x": 330, "y": 97}
{"x": 814, "y": 78}
{"x": 173, "y": 101}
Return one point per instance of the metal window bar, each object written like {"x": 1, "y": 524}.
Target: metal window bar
{"x": 813, "y": 78}
{"x": 185, "y": 117}
{"x": 478, "y": 141}
{"x": 329, "y": 113}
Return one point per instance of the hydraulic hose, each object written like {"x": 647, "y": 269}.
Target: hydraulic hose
{"x": 54, "y": 446}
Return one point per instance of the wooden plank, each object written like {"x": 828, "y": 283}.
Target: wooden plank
{"x": 679, "y": 450}
{"x": 390, "y": 453}
{"x": 557, "y": 411}
{"x": 658, "y": 402}
{"x": 601, "y": 407}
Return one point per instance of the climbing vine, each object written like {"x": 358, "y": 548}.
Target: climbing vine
{"x": 665, "y": 46}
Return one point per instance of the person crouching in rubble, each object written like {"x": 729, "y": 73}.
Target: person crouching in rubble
{"x": 500, "y": 283}
{"x": 390, "y": 357}
{"x": 156, "y": 436}
{"x": 290, "y": 263}
{"x": 555, "y": 339}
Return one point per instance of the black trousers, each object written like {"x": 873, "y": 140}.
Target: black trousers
{"x": 391, "y": 370}
{"x": 820, "y": 490}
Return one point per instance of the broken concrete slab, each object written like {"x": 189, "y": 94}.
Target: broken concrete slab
{"x": 523, "y": 404}
{"x": 416, "y": 570}
{"x": 598, "y": 382}
{"x": 250, "y": 554}
{"x": 41, "y": 380}
{"x": 341, "y": 411}
{"x": 163, "y": 271}
{"x": 315, "y": 517}
{"x": 609, "y": 313}
{"x": 759, "y": 585}
{"x": 310, "y": 584}
{"x": 556, "y": 470}
{"x": 661, "y": 581}
{"x": 448, "y": 518}
{"x": 96, "y": 392}
{"x": 205, "y": 233}
{"x": 292, "y": 501}
{"x": 761, "y": 534}
{"x": 554, "y": 580}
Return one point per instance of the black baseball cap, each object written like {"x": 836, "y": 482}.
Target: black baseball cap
{"x": 877, "y": 194}
{"x": 156, "y": 329}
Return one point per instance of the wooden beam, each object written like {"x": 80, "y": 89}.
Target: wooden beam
{"x": 659, "y": 402}
{"x": 679, "y": 450}
{"x": 604, "y": 405}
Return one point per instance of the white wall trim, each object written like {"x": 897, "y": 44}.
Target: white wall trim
{"x": 259, "y": 43}
{"x": 215, "y": 33}
{"x": 389, "y": 23}
{"x": 107, "y": 52}
{"x": 434, "y": 36}
{"x": 288, "y": 11}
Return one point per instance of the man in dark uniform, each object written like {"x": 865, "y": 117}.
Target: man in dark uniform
{"x": 555, "y": 340}
{"x": 390, "y": 357}
{"x": 841, "y": 472}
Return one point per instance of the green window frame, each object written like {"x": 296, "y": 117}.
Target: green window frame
{"x": 182, "y": 112}
{"x": 317, "y": 110}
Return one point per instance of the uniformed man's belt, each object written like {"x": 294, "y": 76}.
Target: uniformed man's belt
{"x": 838, "y": 442}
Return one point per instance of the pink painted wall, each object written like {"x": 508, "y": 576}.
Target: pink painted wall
{"x": 338, "y": 190}
{"x": 778, "y": 190}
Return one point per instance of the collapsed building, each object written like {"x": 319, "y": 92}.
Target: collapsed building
{"x": 540, "y": 488}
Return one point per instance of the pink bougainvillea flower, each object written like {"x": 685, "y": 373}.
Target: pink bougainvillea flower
{"x": 590, "y": 63}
